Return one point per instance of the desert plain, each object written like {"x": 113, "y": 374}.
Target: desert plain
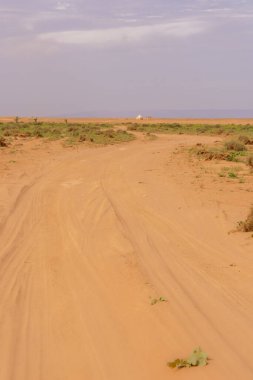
{"x": 117, "y": 258}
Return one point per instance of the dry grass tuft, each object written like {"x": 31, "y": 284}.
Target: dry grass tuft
{"x": 235, "y": 145}
{"x": 249, "y": 161}
{"x": 247, "y": 225}
{"x": 3, "y": 142}
{"x": 245, "y": 140}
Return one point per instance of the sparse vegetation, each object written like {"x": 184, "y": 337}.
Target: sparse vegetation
{"x": 217, "y": 153}
{"x": 232, "y": 174}
{"x": 235, "y": 145}
{"x": 157, "y": 300}
{"x": 231, "y": 151}
{"x": 195, "y": 129}
{"x": 245, "y": 140}
{"x": 150, "y": 136}
{"x": 210, "y": 154}
{"x": 247, "y": 225}
{"x": 3, "y": 142}
{"x": 198, "y": 358}
{"x": 235, "y": 156}
{"x": 249, "y": 161}
{"x": 71, "y": 133}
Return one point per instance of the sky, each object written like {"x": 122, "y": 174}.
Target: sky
{"x": 122, "y": 57}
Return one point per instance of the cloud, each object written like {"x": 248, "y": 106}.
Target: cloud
{"x": 217, "y": 10}
{"x": 242, "y": 15}
{"x": 154, "y": 16}
{"x": 133, "y": 34}
{"x": 62, "y": 6}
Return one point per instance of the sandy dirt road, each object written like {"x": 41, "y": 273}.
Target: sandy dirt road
{"x": 90, "y": 236}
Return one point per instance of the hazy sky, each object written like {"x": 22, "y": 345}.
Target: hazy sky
{"x": 79, "y": 56}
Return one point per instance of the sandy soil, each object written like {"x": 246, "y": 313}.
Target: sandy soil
{"x": 89, "y": 236}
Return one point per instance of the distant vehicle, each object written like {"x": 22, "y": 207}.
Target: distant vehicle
{"x": 139, "y": 117}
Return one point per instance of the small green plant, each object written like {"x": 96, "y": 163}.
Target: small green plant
{"x": 232, "y": 175}
{"x": 234, "y": 156}
{"x": 230, "y": 172}
{"x": 156, "y": 300}
{"x": 66, "y": 121}
{"x": 35, "y": 119}
{"x": 17, "y": 119}
{"x": 198, "y": 358}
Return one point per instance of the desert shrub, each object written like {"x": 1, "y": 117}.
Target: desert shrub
{"x": 219, "y": 131}
{"x": 234, "y": 156}
{"x": 212, "y": 154}
{"x": 38, "y": 132}
{"x": 3, "y": 142}
{"x": 25, "y": 134}
{"x": 247, "y": 225}
{"x": 72, "y": 128}
{"x": 245, "y": 140}
{"x": 203, "y": 128}
{"x": 7, "y": 133}
{"x": 132, "y": 128}
{"x": 109, "y": 133}
{"x": 235, "y": 145}
{"x": 54, "y": 131}
{"x": 249, "y": 161}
